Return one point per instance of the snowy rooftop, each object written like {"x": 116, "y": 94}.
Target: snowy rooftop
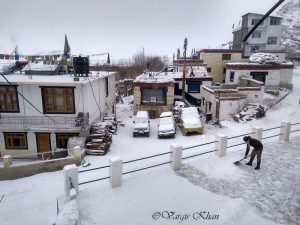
{"x": 164, "y": 77}
{"x": 52, "y": 79}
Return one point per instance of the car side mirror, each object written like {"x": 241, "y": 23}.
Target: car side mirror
{"x": 133, "y": 121}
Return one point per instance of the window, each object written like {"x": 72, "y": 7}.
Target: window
{"x": 106, "y": 86}
{"x": 260, "y": 76}
{"x": 255, "y": 21}
{"x": 231, "y": 76}
{"x": 274, "y": 21}
{"x": 224, "y": 70}
{"x": 254, "y": 48}
{"x": 16, "y": 140}
{"x": 62, "y": 139}
{"x": 9, "y": 99}
{"x": 208, "y": 69}
{"x": 226, "y": 56}
{"x": 153, "y": 95}
{"x": 58, "y": 100}
{"x": 256, "y": 34}
{"x": 272, "y": 41}
{"x": 193, "y": 87}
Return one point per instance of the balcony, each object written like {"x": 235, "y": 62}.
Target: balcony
{"x": 42, "y": 122}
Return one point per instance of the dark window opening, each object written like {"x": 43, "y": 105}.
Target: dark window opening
{"x": 154, "y": 96}
{"x": 231, "y": 76}
{"x": 226, "y": 56}
{"x": 106, "y": 86}
{"x": 62, "y": 139}
{"x": 16, "y": 140}
{"x": 208, "y": 69}
{"x": 194, "y": 87}
{"x": 259, "y": 76}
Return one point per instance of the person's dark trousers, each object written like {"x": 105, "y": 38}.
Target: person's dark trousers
{"x": 255, "y": 152}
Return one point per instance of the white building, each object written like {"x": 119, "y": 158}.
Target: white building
{"x": 266, "y": 37}
{"x": 272, "y": 76}
{"x": 225, "y": 101}
{"x": 65, "y": 107}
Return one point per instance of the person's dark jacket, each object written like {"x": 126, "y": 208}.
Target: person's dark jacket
{"x": 256, "y": 144}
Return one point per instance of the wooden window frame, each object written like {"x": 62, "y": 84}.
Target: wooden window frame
{"x": 64, "y": 134}
{"x": 16, "y": 103}
{"x": 6, "y": 140}
{"x": 43, "y": 88}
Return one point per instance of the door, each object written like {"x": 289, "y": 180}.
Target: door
{"x": 43, "y": 142}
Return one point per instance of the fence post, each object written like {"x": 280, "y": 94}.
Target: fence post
{"x": 257, "y": 133}
{"x": 285, "y": 131}
{"x": 221, "y": 145}
{"x": 7, "y": 161}
{"x": 115, "y": 171}
{"x": 70, "y": 179}
{"x": 175, "y": 156}
{"x": 77, "y": 152}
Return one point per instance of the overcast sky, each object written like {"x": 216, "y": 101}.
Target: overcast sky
{"x": 121, "y": 27}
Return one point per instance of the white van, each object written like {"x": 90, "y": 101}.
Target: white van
{"x": 141, "y": 124}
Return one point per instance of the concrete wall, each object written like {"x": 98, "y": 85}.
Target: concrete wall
{"x": 30, "y": 169}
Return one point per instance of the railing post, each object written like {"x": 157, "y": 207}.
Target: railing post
{"x": 7, "y": 161}
{"x": 70, "y": 179}
{"x": 77, "y": 152}
{"x": 221, "y": 145}
{"x": 115, "y": 171}
{"x": 257, "y": 133}
{"x": 285, "y": 131}
{"x": 175, "y": 156}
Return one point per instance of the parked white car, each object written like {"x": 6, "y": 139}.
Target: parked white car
{"x": 166, "y": 126}
{"x": 141, "y": 124}
{"x": 190, "y": 121}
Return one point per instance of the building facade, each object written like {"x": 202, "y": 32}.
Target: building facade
{"x": 216, "y": 60}
{"x": 272, "y": 76}
{"x": 58, "y": 107}
{"x": 267, "y": 36}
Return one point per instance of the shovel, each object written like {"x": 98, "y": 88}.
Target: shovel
{"x": 238, "y": 162}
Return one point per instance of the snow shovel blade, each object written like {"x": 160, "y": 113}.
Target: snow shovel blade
{"x": 237, "y": 162}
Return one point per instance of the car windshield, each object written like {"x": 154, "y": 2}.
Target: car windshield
{"x": 165, "y": 120}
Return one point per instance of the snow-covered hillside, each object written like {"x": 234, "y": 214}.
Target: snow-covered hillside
{"x": 290, "y": 12}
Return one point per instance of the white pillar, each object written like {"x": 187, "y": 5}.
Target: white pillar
{"x": 285, "y": 131}
{"x": 257, "y": 133}
{"x": 7, "y": 161}
{"x": 77, "y": 152}
{"x": 115, "y": 172}
{"x": 221, "y": 145}
{"x": 70, "y": 176}
{"x": 175, "y": 156}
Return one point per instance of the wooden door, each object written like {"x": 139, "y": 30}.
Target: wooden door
{"x": 43, "y": 142}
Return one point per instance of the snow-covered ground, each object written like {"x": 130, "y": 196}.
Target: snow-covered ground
{"x": 238, "y": 194}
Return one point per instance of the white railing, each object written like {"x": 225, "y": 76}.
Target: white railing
{"x": 26, "y": 122}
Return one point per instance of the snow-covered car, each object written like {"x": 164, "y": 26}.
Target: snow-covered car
{"x": 190, "y": 121}
{"x": 166, "y": 126}
{"x": 141, "y": 124}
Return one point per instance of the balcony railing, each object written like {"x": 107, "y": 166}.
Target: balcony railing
{"x": 34, "y": 122}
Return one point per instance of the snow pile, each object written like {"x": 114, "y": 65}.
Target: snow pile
{"x": 291, "y": 35}
{"x": 39, "y": 66}
{"x": 69, "y": 214}
{"x": 263, "y": 58}
{"x": 197, "y": 72}
{"x": 250, "y": 112}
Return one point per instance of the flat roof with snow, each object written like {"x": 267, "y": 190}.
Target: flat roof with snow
{"x": 53, "y": 79}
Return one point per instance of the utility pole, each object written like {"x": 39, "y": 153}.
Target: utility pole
{"x": 184, "y": 65}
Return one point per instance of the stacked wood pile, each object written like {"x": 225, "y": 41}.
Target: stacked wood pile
{"x": 100, "y": 138}
{"x": 177, "y": 110}
{"x": 250, "y": 112}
